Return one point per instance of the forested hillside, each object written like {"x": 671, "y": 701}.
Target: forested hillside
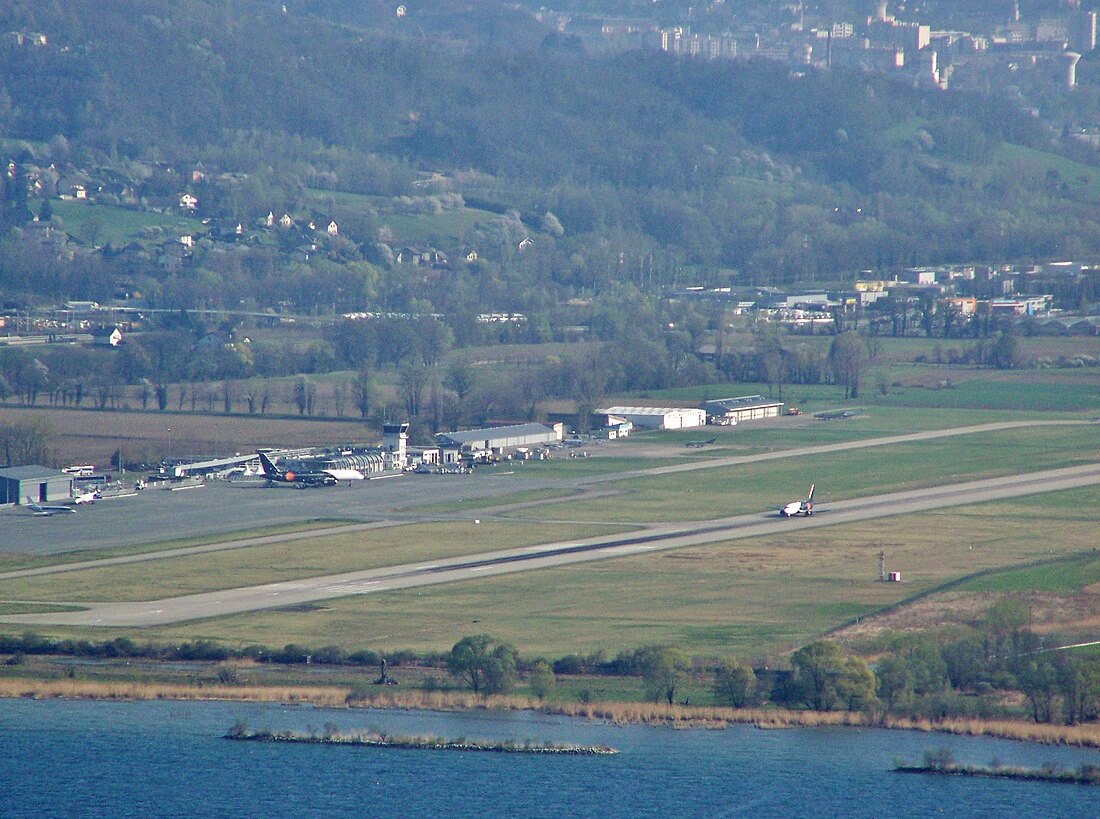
{"x": 654, "y": 170}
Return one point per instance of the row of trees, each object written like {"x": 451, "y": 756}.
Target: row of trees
{"x": 917, "y": 675}
{"x": 921, "y": 675}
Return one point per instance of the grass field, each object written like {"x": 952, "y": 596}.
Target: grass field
{"x": 721, "y": 492}
{"x": 751, "y": 598}
{"x": 119, "y": 226}
{"x": 149, "y": 580}
{"x": 443, "y": 229}
{"x": 1059, "y": 576}
{"x": 1052, "y": 390}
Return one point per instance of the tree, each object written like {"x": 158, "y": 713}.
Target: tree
{"x": 1038, "y": 682}
{"x": 542, "y": 679}
{"x": 461, "y": 378}
{"x": 414, "y": 380}
{"x": 827, "y": 677}
{"x": 552, "y": 225}
{"x": 895, "y": 681}
{"x": 301, "y": 394}
{"x": 361, "y": 393}
{"x": 734, "y": 683}
{"x": 856, "y": 684}
{"x": 1006, "y": 352}
{"x": 26, "y": 441}
{"x": 663, "y": 667}
{"x": 847, "y": 355}
{"x": 487, "y": 665}
{"x": 1080, "y": 683}
{"x": 339, "y": 397}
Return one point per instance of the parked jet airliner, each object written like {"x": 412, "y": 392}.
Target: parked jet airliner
{"x": 300, "y": 479}
{"x": 45, "y": 511}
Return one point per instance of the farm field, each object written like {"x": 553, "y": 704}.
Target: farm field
{"x": 92, "y": 436}
{"x": 753, "y": 598}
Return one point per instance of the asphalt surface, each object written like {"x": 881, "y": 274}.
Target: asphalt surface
{"x": 219, "y": 508}
{"x": 276, "y": 595}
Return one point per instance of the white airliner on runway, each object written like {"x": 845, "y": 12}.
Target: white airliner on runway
{"x": 799, "y": 507}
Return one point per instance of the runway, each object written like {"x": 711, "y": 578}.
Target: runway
{"x": 296, "y": 592}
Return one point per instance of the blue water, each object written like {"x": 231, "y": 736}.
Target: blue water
{"x": 167, "y": 759}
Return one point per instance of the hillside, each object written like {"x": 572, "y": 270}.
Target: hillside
{"x": 654, "y": 169}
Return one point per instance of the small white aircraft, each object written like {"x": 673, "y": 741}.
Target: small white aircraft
{"x": 86, "y": 497}
{"x": 45, "y": 511}
{"x": 799, "y": 507}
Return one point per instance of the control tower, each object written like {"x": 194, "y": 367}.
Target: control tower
{"x": 395, "y": 441}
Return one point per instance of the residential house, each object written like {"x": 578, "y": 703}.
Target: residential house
{"x": 106, "y": 336}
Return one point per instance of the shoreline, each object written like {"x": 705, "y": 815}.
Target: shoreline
{"x": 615, "y": 713}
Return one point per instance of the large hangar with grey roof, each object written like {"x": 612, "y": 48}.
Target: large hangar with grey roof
{"x": 38, "y": 483}
{"x": 500, "y": 438}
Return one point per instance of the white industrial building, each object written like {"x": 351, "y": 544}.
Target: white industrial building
{"x": 656, "y": 417}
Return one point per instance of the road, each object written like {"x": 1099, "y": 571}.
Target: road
{"x": 296, "y": 592}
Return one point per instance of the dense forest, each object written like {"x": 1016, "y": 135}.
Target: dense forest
{"x": 652, "y": 167}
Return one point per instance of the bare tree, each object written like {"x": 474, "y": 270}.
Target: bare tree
{"x": 361, "y": 393}
{"x": 339, "y": 397}
{"x": 414, "y": 380}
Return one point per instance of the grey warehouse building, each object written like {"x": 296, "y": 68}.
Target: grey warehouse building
{"x": 744, "y": 408}
{"x": 473, "y": 440}
{"x": 39, "y": 483}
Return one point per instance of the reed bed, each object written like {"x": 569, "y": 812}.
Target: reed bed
{"x": 120, "y": 690}
{"x": 617, "y": 713}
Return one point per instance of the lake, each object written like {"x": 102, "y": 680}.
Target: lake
{"x": 78, "y": 758}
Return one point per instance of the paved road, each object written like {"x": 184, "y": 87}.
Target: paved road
{"x": 274, "y": 595}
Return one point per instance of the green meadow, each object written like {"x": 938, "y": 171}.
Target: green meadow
{"x": 723, "y": 491}
{"x": 111, "y": 224}
{"x": 755, "y": 598}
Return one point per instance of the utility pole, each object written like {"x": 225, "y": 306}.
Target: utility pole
{"x": 882, "y": 566}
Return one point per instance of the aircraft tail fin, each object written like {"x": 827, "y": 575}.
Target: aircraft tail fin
{"x": 269, "y": 468}
{"x": 810, "y": 497}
